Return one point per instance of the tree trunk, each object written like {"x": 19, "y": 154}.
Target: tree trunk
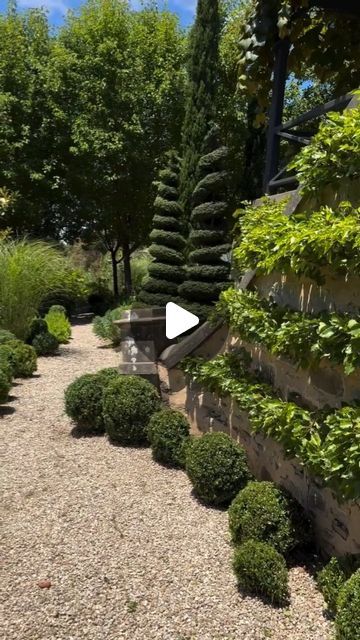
{"x": 127, "y": 270}
{"x": 115, "y": 274}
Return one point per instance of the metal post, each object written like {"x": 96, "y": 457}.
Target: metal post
{"x": 282, "y": 49}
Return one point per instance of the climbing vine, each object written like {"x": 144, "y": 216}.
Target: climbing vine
{"x": 333, "y": 154}
{"x": 302, "y": 338}
{"x": 322, "y": 40}
{"x": 327, "y": 443}
{"x": 303, "y": 243}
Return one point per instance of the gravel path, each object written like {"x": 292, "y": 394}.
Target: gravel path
{"x": 128, "y": 551}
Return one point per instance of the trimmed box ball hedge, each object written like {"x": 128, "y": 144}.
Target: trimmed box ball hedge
{"x": 264, "y": 512}
{"x": 333, "y": 576}
{"x": 217, "y": 468}
{"x": 6, "y": 336}
{"x": 4, "y": 386}
{"x": 261, "y": 570}
{"x": 45, "y": 344}
{"x": 84, "y": 399}
{"x": 168, "y": 432}
{"x": 5, "y": 366}
{"x": 21, "y": 358}
{"x": 129, "y": 403}
{"x": 347, "y": 621}
{"x": 37, "y": 326}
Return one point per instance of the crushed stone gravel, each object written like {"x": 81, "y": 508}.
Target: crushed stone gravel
{"x": 101, "y": 543}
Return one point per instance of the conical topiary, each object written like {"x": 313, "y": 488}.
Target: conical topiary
{"x": 208, "y": 269}
{"x": 166, "y": 273}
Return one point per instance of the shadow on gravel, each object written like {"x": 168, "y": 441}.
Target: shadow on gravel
{"x": 212, "y": 507}
{"x": 81, "y": 432}
{"x": 266, "y": 600}
{"x": 130, "y": 447}
{"x": 307, "y": 558}
{"x": 6, "y": 411}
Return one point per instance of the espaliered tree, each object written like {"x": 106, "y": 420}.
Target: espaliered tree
{"x": 208, "y": 268}
{"x": 167, "y": 270}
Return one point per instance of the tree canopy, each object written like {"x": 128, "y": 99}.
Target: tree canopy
{"x": 104, "y": 102}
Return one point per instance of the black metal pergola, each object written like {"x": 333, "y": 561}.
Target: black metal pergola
{"x": 276, "y": 177}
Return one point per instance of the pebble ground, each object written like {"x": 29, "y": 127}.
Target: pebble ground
{"x": 127, "y": 550}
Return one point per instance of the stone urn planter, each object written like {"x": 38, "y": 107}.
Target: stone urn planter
{"x": 143, "y": 339}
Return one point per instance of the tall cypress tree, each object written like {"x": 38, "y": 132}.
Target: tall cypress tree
{"x": 201, "y": 99}
{"x": 209, "y": 267}
{"x": 167, "y": 270}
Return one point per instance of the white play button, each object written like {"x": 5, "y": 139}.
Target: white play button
{"x": 178, "y": 320}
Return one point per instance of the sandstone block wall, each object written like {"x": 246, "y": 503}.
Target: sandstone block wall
{"x": 336, "y": 525}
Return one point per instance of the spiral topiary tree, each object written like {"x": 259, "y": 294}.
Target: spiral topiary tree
{"x": 208, "y": 270}
{"x": 167, "y": 270}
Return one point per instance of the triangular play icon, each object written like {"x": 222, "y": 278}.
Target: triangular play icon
{"x": 178, "y": 320}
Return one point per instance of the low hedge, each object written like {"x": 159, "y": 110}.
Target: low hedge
{"x": 333, "y": 576}
{"x": 5, "y": 365}
{"x": 21, "y": 358}
{"x": 58, "y": 325}
{"x": 4, "y": 386}
{"x": 45, "y": 344}
{"x": 264, "y": 512}
{"x": 37, "y": 326}
{"x": 129, "y": 403}
{"x": 261, "y": 570}
{"x": 58, "y": 308}
{"x": 84, "y": 399}
{"x": 217, "y": 468}
{"x": 6, "y": 336}
{"x": 168, "y": 432}
{"x": 347, "y": 621}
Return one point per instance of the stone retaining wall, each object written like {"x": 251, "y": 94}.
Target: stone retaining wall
{"x": 337, "y": 526}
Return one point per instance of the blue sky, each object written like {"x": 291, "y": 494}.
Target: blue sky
{"x": 57, "y": 8}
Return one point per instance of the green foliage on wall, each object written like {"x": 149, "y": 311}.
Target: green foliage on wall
{"x": 333, "y": 154}
{"x": 303, "y": 243}
{"x": 320, "y": 40}
{"x": 327, "y": 443}
{"x": 302, "y": 338}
